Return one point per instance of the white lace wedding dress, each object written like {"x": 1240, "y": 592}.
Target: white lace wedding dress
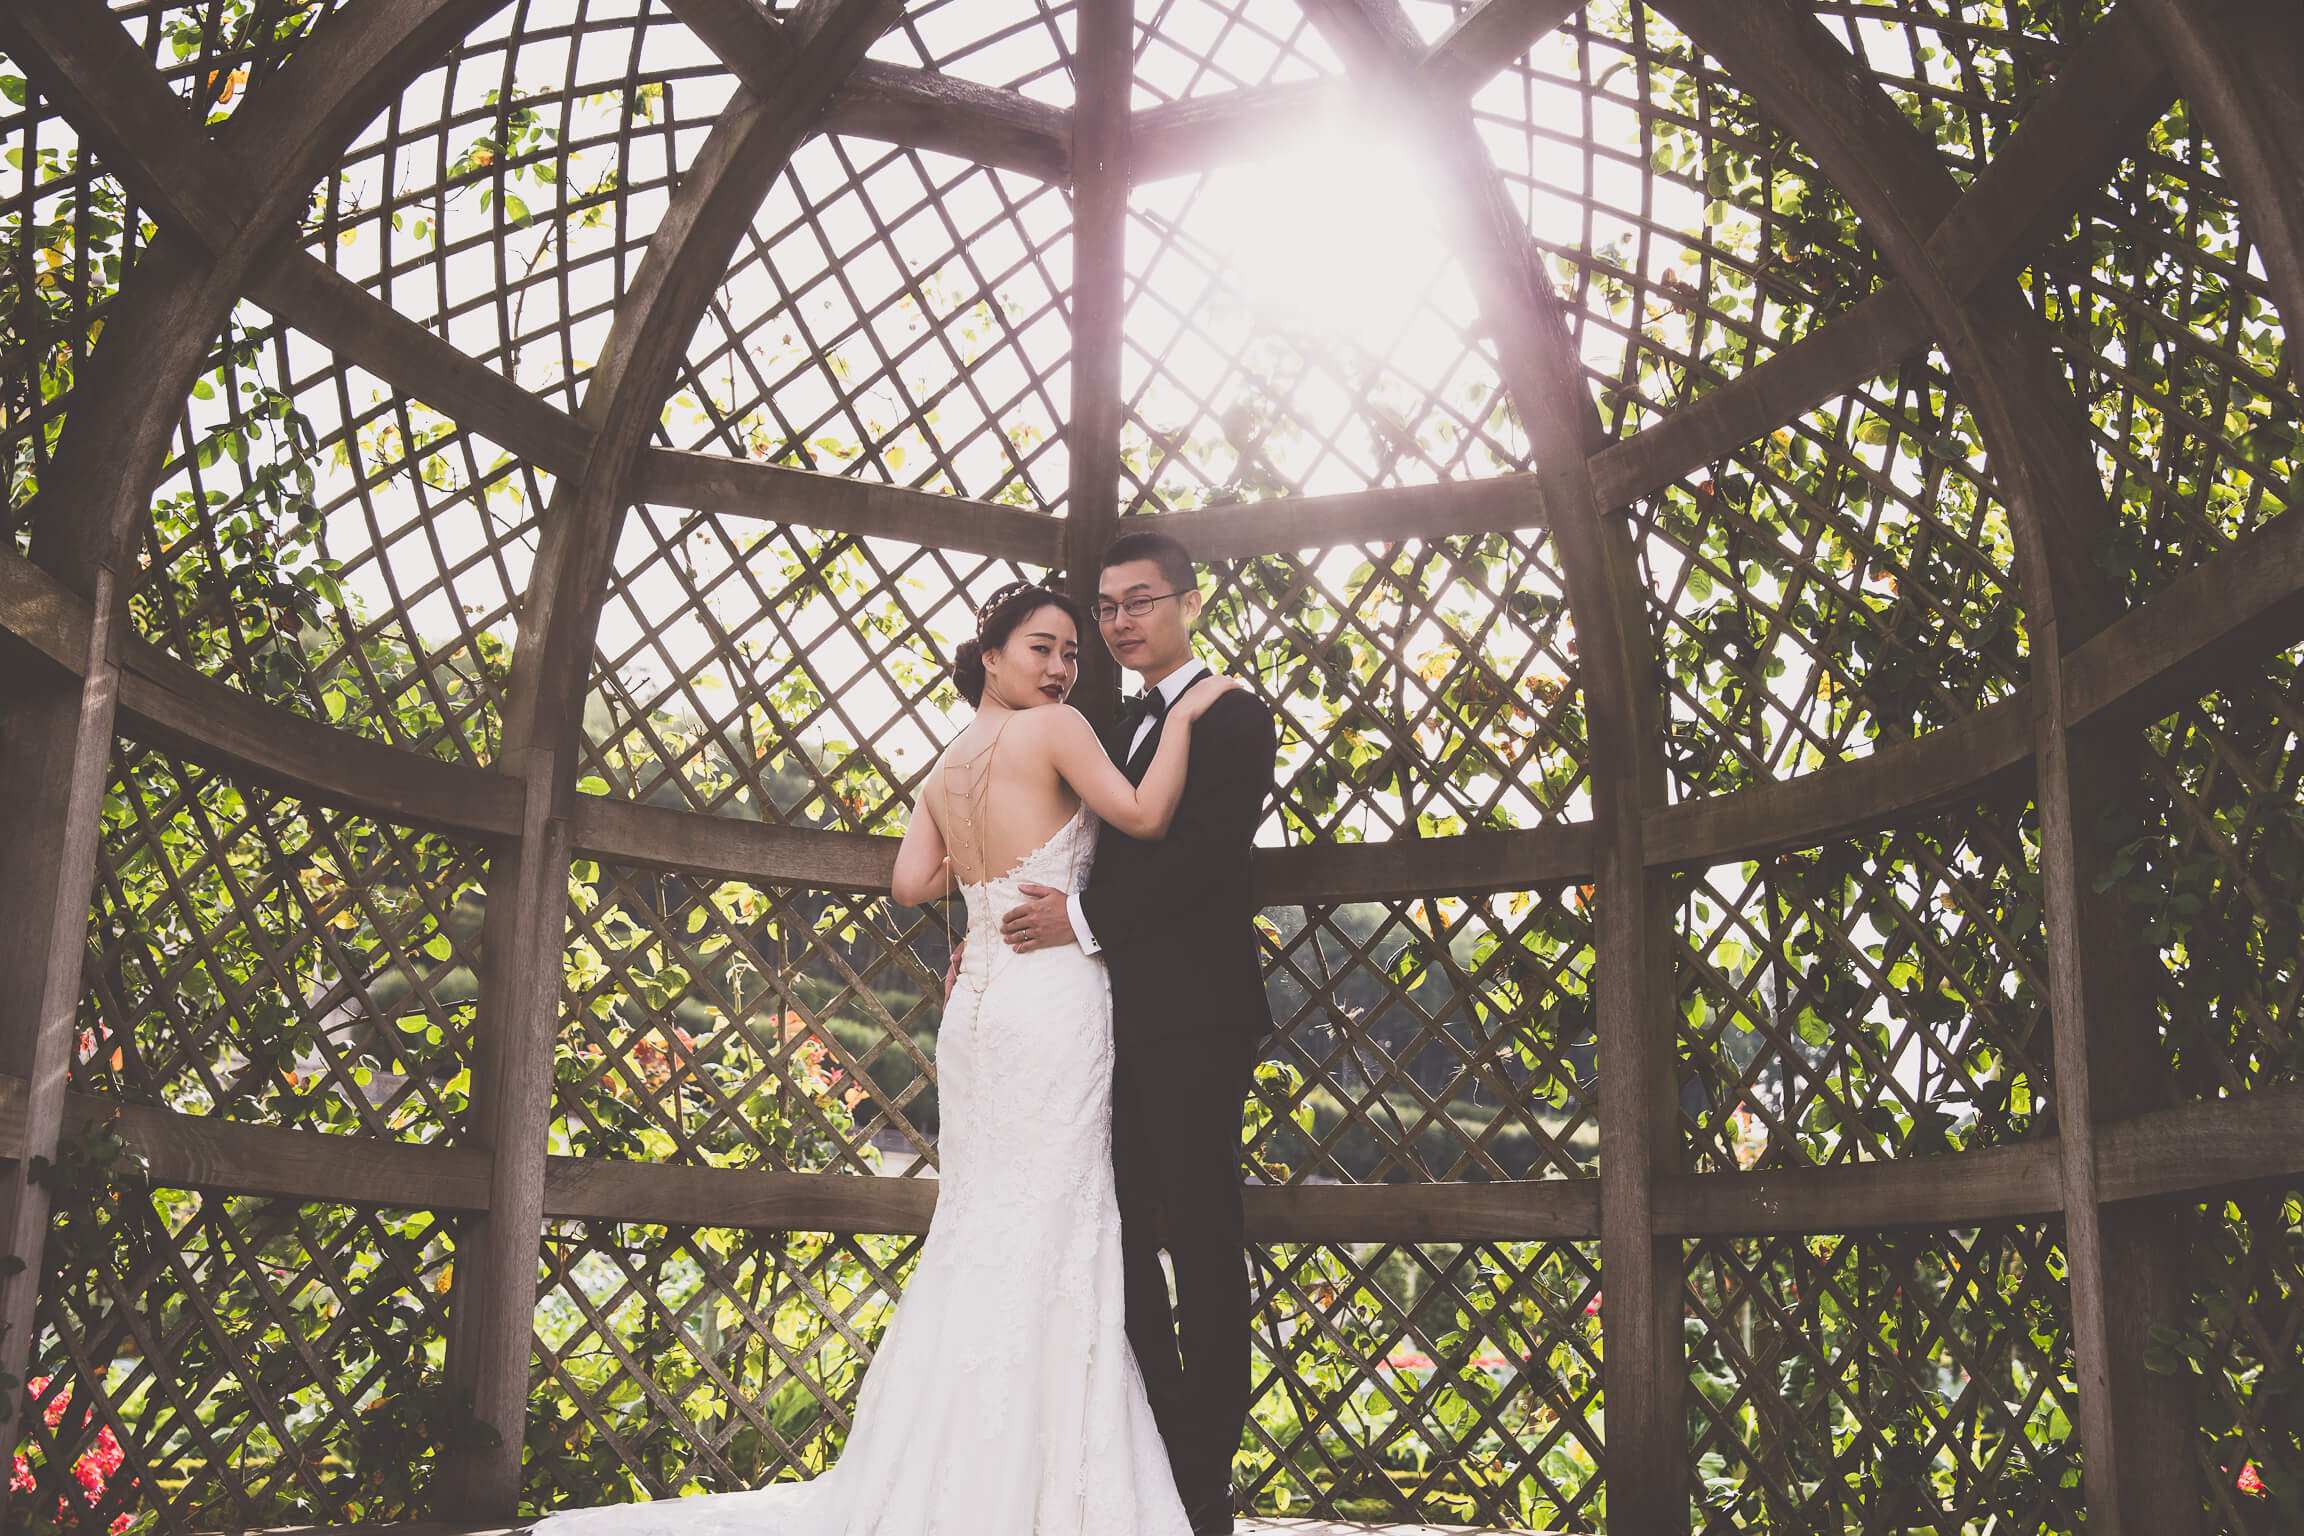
{"x": 1004, "y": 1400}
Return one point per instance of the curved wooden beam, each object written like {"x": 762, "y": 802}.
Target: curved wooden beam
{"x": 229, "y": 204}
{"x": 2237, "y": 608}
{"x": 2224, "y": 615}
{"x": 922, "y": 110}
{"x": 1954, "y": 1190}
{"x": 1806, "y": 80}
{"x": 1633, "y": 985}
{"x": 2171, "y": 1155}
{"x": 226, "y": 206}
{"x": 1200, "y": 133}
{"x": 2241, "y": 63}
{"x": 1983, "y": 755}
{"x": 2133, "y": 1425}
{"x": 912, "y": 107}
{"x": 2112, "y": 87}
{"x": 518, "y": 1012}
{"x": 1486, "y": 39}
{"x": 731, "y": 487}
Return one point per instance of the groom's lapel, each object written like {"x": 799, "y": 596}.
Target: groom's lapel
{"x": 1116, "y": 740}
{"x": 1136, "y": 762}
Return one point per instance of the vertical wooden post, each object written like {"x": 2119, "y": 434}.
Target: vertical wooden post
{"x": 1105, "y": 71}
{"x": 2135, "y": 1427}
{"x": 55, "y": 756}
{"x": 1643, "y": 1367}
{"x": 798, "y": 67}
{"x": 492, "y": 1309}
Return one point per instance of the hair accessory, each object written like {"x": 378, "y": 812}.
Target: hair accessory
{"x": 992, "y": 604}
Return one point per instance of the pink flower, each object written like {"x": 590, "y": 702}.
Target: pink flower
{"x": 22, "y": 1481}
{"x": 2250, "y": 1483}
{"x": 53, "y": 1413}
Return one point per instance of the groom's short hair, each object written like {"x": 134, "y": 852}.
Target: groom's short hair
{"x": 1175, "y": 561}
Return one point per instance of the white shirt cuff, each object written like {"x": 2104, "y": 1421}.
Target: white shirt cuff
{"x": 1088, "y": 944}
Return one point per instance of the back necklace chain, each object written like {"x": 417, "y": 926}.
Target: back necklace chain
{"x": 968, "y": 796}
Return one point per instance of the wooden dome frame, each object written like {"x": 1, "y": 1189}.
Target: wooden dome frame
{"x": 2098, "y": 672}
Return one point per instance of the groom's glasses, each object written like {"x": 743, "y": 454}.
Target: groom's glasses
{"x": 1135, "y": 607}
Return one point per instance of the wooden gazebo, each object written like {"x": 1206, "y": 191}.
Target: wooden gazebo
{"x": 1787, "y": 891}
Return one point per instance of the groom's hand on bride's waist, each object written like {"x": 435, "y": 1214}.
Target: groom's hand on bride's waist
{"x": 1044, "y": 921}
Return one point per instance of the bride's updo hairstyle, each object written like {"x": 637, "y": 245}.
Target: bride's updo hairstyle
{"x": 996, "y": 621}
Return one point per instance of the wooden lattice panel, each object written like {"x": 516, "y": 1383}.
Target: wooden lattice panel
{"x": 221, "y": 1363}
{"x": 1878, "y": 1382}
{"x": 1238, "y": 380}
{"x": 722, "y": 1024}
{"x": 897, "y": 316}
{"x": 776, "y": 672}
{"x": 2240, "y": 1341}
{"x": 1962, "y": 71}
{"x": 505, "y": 200}
{"x": 2214, "y": 875}
{"x": 1434, "y": 1040}
{"x": 1880, "y": 997}
{"x": 1845, "y": 582}
{"x": 1437, "y": 1383}
{"x": 266, "y": 960}
{"x": 679, "y": 1359}
{"x": 2176, "y": 351}
{"x": 216, "y": 52}
{"x": 1187, "y": 48}
{"x": 1423, "y": 688}
{"x": 1024, "y": 45}
{"x": 1689, "y": 236}
{"x": 338, "y": 549}
{"x": 69, "y": 233}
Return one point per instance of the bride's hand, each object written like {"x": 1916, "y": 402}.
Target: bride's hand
{"x": 1202, "y": 694}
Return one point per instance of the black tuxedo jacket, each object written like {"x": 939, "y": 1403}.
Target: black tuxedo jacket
{"x": 1176, "y": 919}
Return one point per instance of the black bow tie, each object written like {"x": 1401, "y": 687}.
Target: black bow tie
{"x": 1151, "y": 704}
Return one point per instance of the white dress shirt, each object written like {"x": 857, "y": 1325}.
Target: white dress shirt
{"x": 1171, "y": 689}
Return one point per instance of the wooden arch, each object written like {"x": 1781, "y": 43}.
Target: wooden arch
{"x": 2070, "y": 736}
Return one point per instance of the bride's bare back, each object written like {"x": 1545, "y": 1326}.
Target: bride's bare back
{"x": 1015, "y": 777}
{"x": 997, "y": 799}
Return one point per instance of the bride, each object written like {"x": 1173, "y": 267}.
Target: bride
{"x": 1003, "y": 1400}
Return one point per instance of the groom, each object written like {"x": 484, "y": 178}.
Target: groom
{"x": 1175, "y": 922}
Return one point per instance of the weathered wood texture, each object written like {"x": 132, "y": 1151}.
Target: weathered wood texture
{"x": 2130, "y": 1423}
{"x": 227, "y": 210}
{"x": 1101, "y": 154}
{"x": 797, "y": 68}
{"x": 1643, "y": 1370}
{"x": 55, "y": 758}
{"x": 14, "y": 1097}
{"x": 226, "y": 206}
{"x": 2161, "y": 1155}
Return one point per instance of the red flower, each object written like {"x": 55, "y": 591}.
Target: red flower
{"x": 92, "y": 1470}
{"x": 2250, "y": 1483}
